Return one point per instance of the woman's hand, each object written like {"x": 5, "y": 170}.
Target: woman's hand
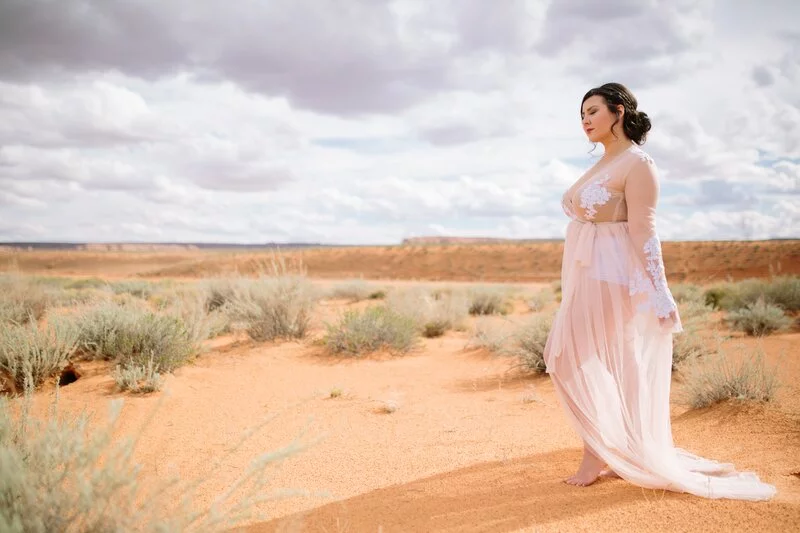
{"x": 670, "y": 321}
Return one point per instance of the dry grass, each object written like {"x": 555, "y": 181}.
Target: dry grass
{"x": 374, "y": 328}
{"x": 31, "y": 354}
{"x": 131, "y": 335}
{"x": 541, "y": 299}
{"x": 488, "y": 300}
{"x": 22, "y": 299}
{"x": 60, "y": 475}
{"x": 692, "y": 342}
{"x": 434, "y": 313}
{"x": 356, "y": 290}
{"x": 780, "y": 291}
{"x": 278, "y": 304}
{"x": 759, "y": 318}
{"x": 744, "y": 377}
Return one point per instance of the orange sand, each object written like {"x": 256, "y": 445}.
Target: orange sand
{"x": 465, "y": 449}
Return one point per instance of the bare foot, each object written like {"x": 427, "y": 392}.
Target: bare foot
{"x": 608, "y": 473}
{"x": 588, "y": 472}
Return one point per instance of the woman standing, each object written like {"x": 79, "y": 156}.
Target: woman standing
{"x": 609, "y": 352}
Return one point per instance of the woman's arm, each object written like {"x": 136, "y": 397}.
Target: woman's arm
{"x": 641, "y": 195}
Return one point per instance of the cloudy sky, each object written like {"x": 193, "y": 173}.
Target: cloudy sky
{"x": 368, "y": 121}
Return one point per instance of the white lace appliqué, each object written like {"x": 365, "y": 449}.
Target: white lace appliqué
{"x": 644, "y": 156}
{"x": 656, "y": 287}
{"x": 595, "y": 194}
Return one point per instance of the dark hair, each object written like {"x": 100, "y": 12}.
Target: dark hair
{"x": 635, "y": 123}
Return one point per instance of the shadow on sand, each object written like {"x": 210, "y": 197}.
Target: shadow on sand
{"x": 498, "y": 497}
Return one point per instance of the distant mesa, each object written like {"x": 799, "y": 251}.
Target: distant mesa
{"x": 145, "y": 246}
{"x": 469, "y": 240}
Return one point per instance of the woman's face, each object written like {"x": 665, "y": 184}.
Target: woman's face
{"x": 597, "y": 119}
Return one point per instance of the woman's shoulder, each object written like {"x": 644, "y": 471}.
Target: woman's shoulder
{"x": 637, "y": 154}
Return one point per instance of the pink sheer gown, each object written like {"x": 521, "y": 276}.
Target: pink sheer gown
{"x": 609, "y": 352}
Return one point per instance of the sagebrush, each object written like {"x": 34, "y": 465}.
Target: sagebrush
{"x": 374, "y": 328}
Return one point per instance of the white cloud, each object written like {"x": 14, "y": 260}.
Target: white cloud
{"x": 294, "y": 121}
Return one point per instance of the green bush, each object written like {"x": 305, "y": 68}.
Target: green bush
{"x": 31, "y": 354}
{"x": 374, "y": 328}
{"x": 721, "y": 378}
{"x": 758, "y": 319}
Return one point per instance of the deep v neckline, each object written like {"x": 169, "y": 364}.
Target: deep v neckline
{"x": 569, "y": 196}
{"x": 604, "y": 169}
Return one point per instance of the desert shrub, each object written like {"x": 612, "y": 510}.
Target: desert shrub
{"x": 356, "y": 290}
{"x": 541, "y": 299}
{"x": 132, "y": 335}
{"x": 138, "y": 288}
{"x": 691, "y": 342}
{"x": 273, "y": 307}
{"x": 31, "y": 354}
{"x": 720, "y": 296}
{"x": 219, "y": 291}
{"x": 76, "y": 297}
{"x": 556, "y": 286}
{"x": 63, "y": 474}
{"x": 528, "y": 342}
{"x": 784, "y": 292}
{"x": 687, "y": 292}
{"x": 190, "y": 304}
{"x": 86, "y": 283}
{"x": 21, "y": 299}
{"x": 138, "y": 377}
{"x": 433, "y": 314}
{"x": 488, "y": 301}
{"x": 490, "y": 335}
{"x": 722, "y": 377}
{"x": 524, "y": 342}
{"x": 758, "y": 319}
{"x": 781, "y": 291}
{"x": 374, "y": 328}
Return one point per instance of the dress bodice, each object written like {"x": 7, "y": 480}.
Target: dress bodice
{"x": 599, "y": 195}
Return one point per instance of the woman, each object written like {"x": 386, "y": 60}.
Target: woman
{"x": 609, "y": 352}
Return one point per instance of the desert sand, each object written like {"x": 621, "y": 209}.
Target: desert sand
{"x": 446, "y": 438}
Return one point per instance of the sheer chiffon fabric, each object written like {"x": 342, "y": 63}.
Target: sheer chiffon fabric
{"x": 609, "y": 352}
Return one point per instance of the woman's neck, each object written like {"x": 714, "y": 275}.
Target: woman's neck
{"x": 615, "y": 146}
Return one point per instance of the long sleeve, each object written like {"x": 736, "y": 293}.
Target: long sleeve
{"x": 641, "y": 195}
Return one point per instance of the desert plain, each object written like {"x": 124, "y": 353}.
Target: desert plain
{"x": 449, "y": 436}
